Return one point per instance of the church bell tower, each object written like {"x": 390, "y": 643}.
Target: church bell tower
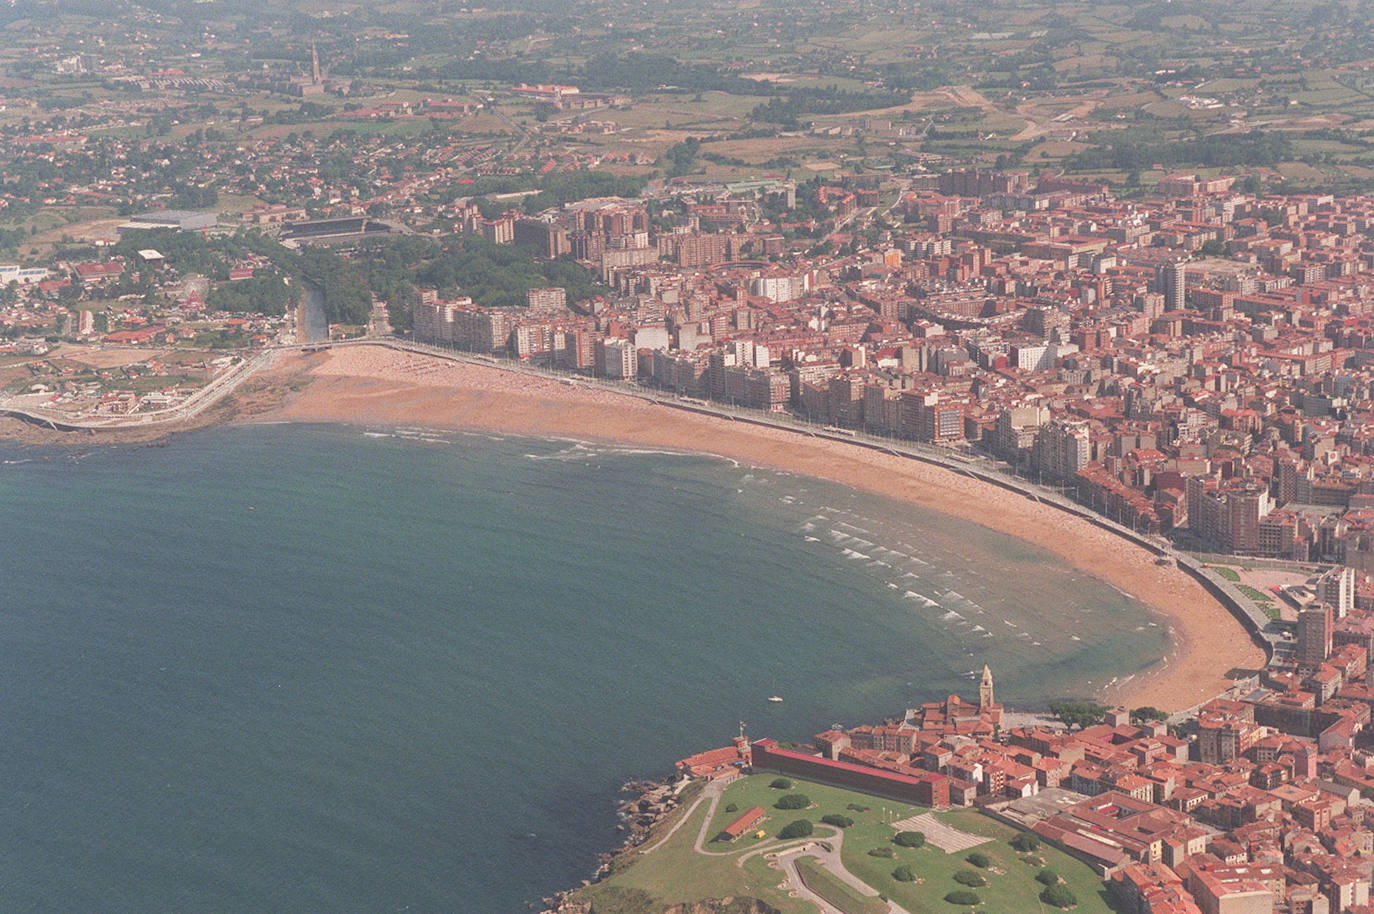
{"x": 985, "y": 698}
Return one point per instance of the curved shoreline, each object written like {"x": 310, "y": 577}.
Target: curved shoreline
{"x": 377, "y": 385}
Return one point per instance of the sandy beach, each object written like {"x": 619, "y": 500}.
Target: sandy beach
{"x": 376, "y": 385}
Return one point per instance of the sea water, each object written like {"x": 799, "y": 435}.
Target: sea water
{"x": 339, "y": 669}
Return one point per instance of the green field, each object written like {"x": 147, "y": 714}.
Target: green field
{"x": 676, "y": 873}
{"x": 819, "y": 880}
{"x": 1011, "y": 879}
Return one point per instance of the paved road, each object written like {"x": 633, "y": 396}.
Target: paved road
{"x": 782, "y": 854}
{"x": 828, "y": 854}
{"x": 189, "y": 408}
{"x": 974, "y": 466}
{"x": 714, "y": 788}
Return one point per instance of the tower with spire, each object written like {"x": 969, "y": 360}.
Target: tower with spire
{"x": 985, "y": 696}
{"x": 314, "y": 65}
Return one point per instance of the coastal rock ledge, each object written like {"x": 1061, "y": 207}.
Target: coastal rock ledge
{"x": 648, "y": 803}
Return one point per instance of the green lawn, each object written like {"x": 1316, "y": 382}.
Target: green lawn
{"x": 819, "y": 880}
{"x": 675, "y": 873}
{"x": 1229, "y": 574}
{"x": 1258, "y": 596}
{"x": 754, "y": 791}
{"x": 1011, "y": 880}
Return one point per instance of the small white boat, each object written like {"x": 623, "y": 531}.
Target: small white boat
{"x": 775, "y": 698}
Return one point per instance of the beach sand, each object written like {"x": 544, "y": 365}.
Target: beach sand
{"x": 376, "y": 385}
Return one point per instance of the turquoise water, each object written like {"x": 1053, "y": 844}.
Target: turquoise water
{"x": 321, "y": 668}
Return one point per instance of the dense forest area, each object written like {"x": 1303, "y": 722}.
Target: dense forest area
{"x": 1139, "y": 149}
{"x": 494, "y": 276}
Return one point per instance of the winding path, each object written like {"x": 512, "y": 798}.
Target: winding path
{"x": 828, "y": 854}
{"x": 784, "y": 855}
{"x": 712, "y": 792}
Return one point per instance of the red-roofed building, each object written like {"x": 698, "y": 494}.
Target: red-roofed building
{"x": 927, "y": 790}
{"x": 715, "y": 763}
{"x": 741, "y": 825}
{"x": 95, "y": 272}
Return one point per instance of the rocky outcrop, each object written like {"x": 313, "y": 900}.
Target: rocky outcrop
{"x": 651, "y": 801}
{"x": 646, "y": 804}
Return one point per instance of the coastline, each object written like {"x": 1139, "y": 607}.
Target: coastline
{"x": 380, "y": 386}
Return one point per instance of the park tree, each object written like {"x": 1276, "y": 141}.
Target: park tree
{"x": 793, "y": 801}
{"x": 1148, "y": 713}
{"x": 909, "y": 839}
{"x": 1078, "y": 714}
{"x": 904, "y": 874}
{"x": 979, "y": 859}
{"x": 798, "y": 829}
{"x": 963, "y": 897}
{"x": 1059, "y": 896}
{"x": 837, "y": 820}
{"x": 781, "y": 783}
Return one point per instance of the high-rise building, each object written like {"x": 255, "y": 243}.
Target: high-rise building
{"x": 1015, "y": 431}
{"x": 1227, "y": 515}
{"x": 924, "y": 417}
{"x": 550, "y": 300}
{"x": 1062, "y": 448}
{"x": 1337, "y": 589}
{"x": 618, "y": 359}
{"x": 1314, "y": 635}
{"x": 548, "y": 238}
{"x": 1172, "y": 279}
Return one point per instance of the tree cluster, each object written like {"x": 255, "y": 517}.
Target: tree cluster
{"x": 1078, "y": 714}
{"x": 1141, "y": 150}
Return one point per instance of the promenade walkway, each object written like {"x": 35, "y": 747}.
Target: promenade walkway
{"x": 947, "y": 838}
{"x": 976, "y": 466}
